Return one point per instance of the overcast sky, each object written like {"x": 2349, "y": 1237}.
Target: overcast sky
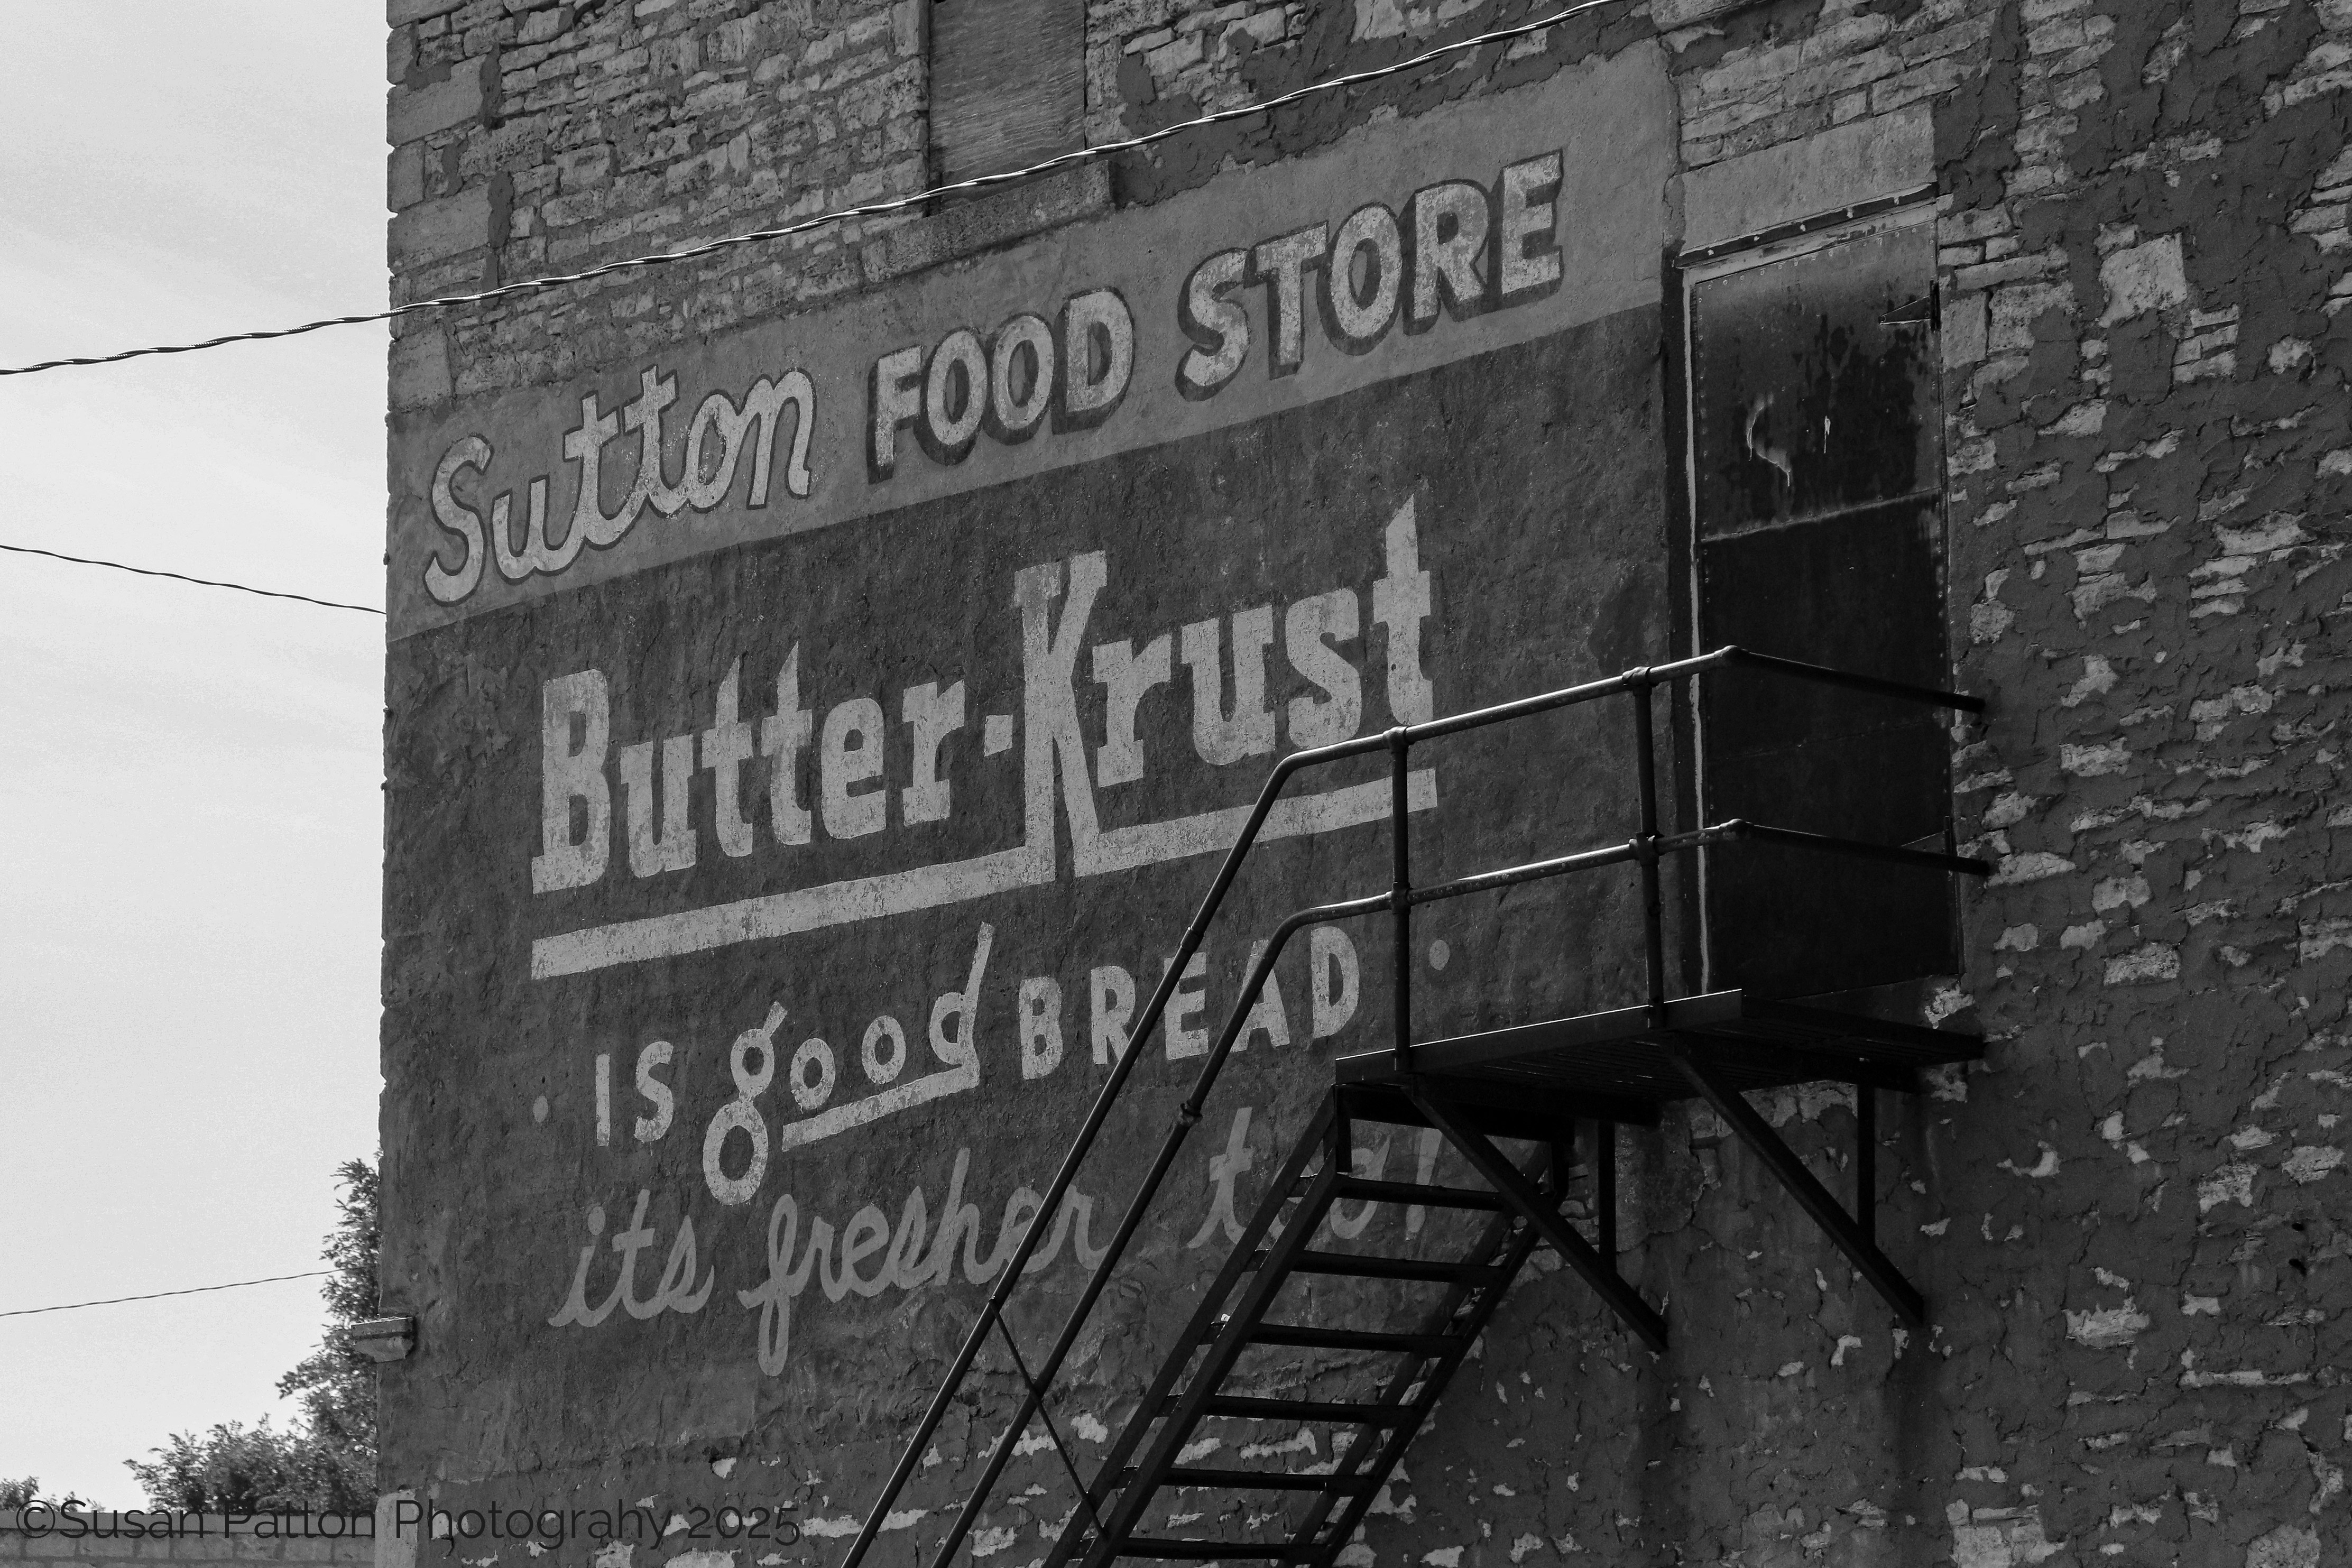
{"x": 189, "y": 806}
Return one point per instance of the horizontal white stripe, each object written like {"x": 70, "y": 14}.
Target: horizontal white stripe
{"x": 960, "y": 881}
{"x": 899, "y": 1096}
{"x": 785, "y": 914}
{"x": 1213, "y": 832}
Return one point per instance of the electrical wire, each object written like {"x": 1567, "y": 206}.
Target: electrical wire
{"x": 199, "y": 582}
{"x": 842, "y": 214}
{"x": 159, "y": 1295}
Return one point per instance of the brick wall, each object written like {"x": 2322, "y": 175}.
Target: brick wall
{"x": 40, "y": 1539}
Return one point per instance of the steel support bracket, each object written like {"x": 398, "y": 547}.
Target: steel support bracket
{"x": 1853, "y": 1239}
{"x": 1597, "y": 1271}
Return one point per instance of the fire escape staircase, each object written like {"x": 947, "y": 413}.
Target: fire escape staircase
{"x": 1563, "y": 1086}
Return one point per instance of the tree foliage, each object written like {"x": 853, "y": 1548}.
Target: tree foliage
{"x": 326, "y": 1461}
{"x": 20, "y": 1492}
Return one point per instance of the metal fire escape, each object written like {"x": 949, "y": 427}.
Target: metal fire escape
{"x": 1557, "y": 1084}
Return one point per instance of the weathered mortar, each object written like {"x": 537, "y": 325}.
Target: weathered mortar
{"x": 2125, "y": 1219}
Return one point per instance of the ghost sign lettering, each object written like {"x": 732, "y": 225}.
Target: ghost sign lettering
{"x": 804, "y": 747}
{"x": 1429, "y": 241}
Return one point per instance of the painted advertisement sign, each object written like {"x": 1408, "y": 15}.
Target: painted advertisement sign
{"x": 804, "y": 749}
{"x": 1412, "y": 244}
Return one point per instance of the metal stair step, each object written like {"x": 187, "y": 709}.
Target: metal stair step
{"x": 1310, "y": 1337}
{"x": 1248, "y": 1407}
{"x": 1413, "y": 1193}
{"x": 1262, "y": 1481}
{"x": 1366, "y": 1265}
{"x": 1528, "y": 1109}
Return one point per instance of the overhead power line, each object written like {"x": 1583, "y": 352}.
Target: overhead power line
{"x": 159, "y": 1295}
{"x": 842, "y": 214}
{"x": 199, "y": 582}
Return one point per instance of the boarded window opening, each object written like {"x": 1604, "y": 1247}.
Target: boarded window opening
{"x": 1817, "y": 505}
{"x": 1008, "y": 83}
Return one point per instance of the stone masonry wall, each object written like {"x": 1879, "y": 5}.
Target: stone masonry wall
{"x": 2143, "y": 239}
{"x": 530, "y": 138}
{"x": 2131, "y": 1217}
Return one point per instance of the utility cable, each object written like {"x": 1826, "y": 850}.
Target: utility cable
{"x": 159, "y": 1295}
{"x": 840, "y": 214}
{"x": 201, "y": 583}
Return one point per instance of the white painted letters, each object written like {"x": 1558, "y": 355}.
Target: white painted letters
{"x": 1308, "y": 630}
{"x": 1185, "y": 1041}
{"x": 649, "y": 1128}
{"x": 783, "y": 734}
{"x": 1111, "y": 993}
{"x": 849, "y": 755}
{"x": 726, "y": 745}
{"x": 1125, "y": 676}
{"x": 1225, "y": 737}
{"x": 1400, "y": 602}
{"x": 669, "y": 848}
{"x": 572, "y": 771}
{"x": 1332, "y": 979}
{"x": 708, "y": 478}
{"x": 753, "y": 1063}
{"x": 933, "y": 715}
{"x": 839, "y": 765}
{"x": 1041, "y": 1025}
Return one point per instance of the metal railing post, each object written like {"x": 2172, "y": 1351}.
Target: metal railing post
{"x": 1401, "y": 893}
{"x": 1865, "y": 1160}
{"x": 1638, "y": 682}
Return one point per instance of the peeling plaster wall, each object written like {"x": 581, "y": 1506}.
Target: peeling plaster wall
{"x": 2128, "y": 1219}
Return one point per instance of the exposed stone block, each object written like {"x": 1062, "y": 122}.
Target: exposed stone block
{"x": 419, "y": 363}
{"x": 405, "y": 177}
{"x": 452, "y": 225}
{"x": 1671, "y": 13}
{"x": 2143, "y": 277}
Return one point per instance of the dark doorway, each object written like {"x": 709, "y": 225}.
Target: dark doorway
{"x": 1817, "y": 499}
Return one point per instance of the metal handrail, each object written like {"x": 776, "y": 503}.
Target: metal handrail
{"x": 1399, "y": 900}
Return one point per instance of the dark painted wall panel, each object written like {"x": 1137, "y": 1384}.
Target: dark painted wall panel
{"x": 1525, "y": 485}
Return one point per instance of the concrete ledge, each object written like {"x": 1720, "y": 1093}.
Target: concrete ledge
{"x": 987, "y": 221}
{"x": 1854, "y": 163}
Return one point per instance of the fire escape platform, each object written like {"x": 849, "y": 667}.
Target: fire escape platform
{"x": 1621, "y": 1065}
